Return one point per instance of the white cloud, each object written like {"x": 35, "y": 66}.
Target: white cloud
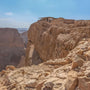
{"x": 9, "y": 13}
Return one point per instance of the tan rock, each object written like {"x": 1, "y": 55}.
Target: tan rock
{"x": 72, "y": 81}
{"x": 48, "y": 86}
{"x": 39, "y": 85}
{"x": 10, "y": 67}
{"x": 77, "y": 63}
{"x": 87, "y": 55}
{"x": 86, "y": 68}
{"x": 32, "y": 83}
{"x": 84, "y": 83}
{"x": 2, "y": 72}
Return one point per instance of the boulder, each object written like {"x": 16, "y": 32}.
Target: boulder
{"x": 78, "y": 62}
{"x": 72, "y": 81}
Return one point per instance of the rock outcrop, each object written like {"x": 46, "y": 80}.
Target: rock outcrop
{"x": 11, "y": 47}
{"x": 67, "y": 71}
{"x": 54, "y": 38}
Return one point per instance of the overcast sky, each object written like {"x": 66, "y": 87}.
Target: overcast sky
{"x": 21, "y": 13}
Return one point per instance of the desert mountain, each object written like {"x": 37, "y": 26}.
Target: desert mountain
{"x": 57, "y": 57}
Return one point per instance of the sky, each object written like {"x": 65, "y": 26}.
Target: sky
{"x": 22, "y": 13}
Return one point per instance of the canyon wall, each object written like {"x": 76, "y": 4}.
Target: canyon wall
{"x": 24, "y": 36}
{"x": 11, "y": 47}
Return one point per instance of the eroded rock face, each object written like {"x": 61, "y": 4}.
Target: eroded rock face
{"x": 54, "y": 38}
{"x": 72, "y": 72}
{"x": 11, "y": 47}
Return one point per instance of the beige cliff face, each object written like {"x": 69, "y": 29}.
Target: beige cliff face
{"x": 11, "y": 47}
{"x": 54, "y": 38}
{"x": 67, "y": 71}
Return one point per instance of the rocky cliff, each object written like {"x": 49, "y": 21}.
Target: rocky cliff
{"x": 11, "y": 47}
{"x": 61, "y": 48}
{"x": 53, "y": 38}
